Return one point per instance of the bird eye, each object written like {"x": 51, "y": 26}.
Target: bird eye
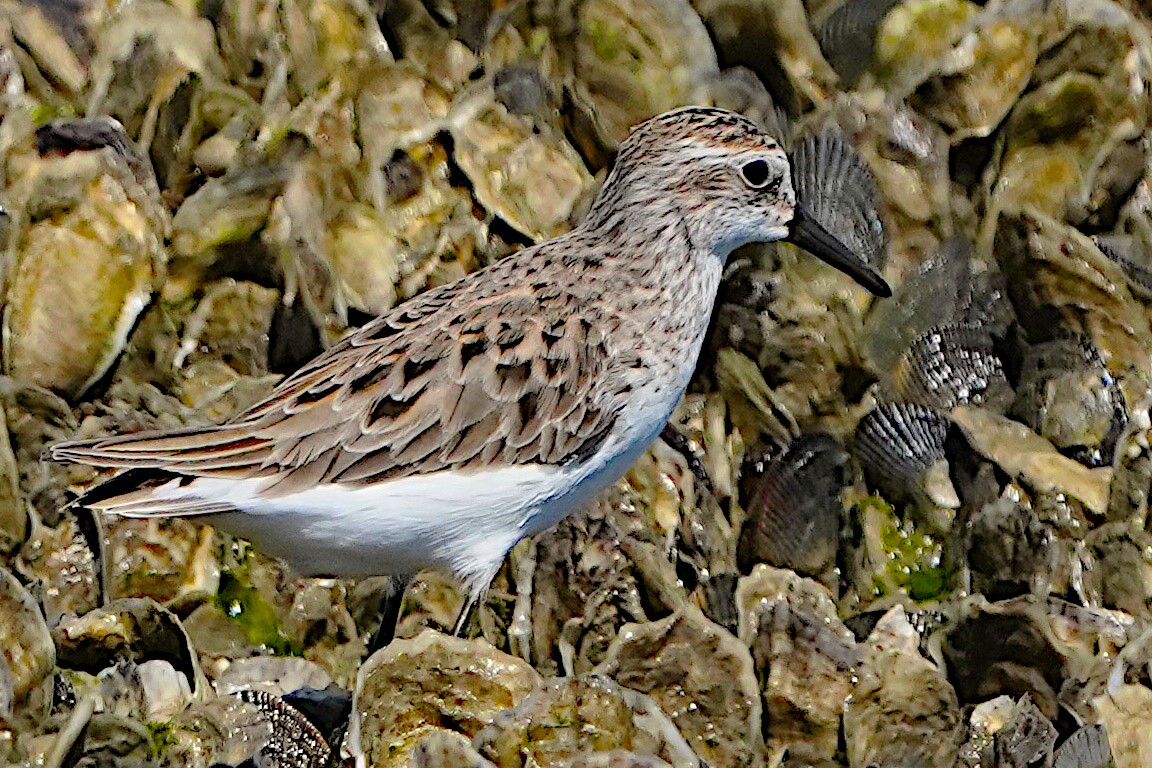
{"x": 756, "y": 173}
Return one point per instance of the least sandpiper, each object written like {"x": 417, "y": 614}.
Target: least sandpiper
{"x": 484, "y": 411}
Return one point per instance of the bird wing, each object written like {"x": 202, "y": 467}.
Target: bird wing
{"x": 462, "y": 377}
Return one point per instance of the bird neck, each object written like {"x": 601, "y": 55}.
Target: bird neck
{"x": 647, "y": 272}
{"x": 649, "y": 247}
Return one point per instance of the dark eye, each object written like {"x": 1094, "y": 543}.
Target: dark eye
{"x": 756, "y": 173}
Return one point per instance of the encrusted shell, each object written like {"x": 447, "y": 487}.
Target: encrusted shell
{"x": 1067, "y": 395}
{"x": 28, "y": 652}
{"x": 953, "y": 365}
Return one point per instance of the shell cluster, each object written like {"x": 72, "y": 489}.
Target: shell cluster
{"x": 910, "y": 532}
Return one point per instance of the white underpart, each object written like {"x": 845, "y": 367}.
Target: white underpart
{"x": 460, "y": 522}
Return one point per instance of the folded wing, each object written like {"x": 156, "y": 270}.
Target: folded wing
{"x": 453, "y": 380}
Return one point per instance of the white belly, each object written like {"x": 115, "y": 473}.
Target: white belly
{"x": 452, "y": 521}
{"x": 460, "y": 522}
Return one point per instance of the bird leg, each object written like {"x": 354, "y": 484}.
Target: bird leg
{"x": 389, "y": 616}
{"x": 467, "y": 613}
{"x": 679, "y": 443}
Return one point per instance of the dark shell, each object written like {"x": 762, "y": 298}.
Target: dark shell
{"x": 840, "y": 192}
{"x": 1086, "y": 748}
{"x": 793, "y": 507}
{"x": 522, "y": 90}
{"x": 953, "y": 365}
{"x": 328, "y": 709}
{"x": 1067, "y": 394}
{"x": 295, "y": 742}
{"x": 848, "y": 36}
{"x": 897, "y": 443}
{"x": 925, "y": 298}
{"x": 62, "y": 137}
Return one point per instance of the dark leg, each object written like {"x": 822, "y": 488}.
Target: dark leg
{"x": 467, "y": 613}
{"x": 677, "y": 442}
{"x": 389, "y": 616}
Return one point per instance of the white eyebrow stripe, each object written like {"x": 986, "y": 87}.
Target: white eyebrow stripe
{"x": 694, "y": 149}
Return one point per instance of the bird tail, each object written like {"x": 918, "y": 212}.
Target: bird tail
{"x": 159, "y": 469}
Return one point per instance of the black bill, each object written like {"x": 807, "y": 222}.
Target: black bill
{"x": 810, "y": 235}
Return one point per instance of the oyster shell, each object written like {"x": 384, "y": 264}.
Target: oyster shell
{"x": 790, "y": 623}
{"x": 52, "y": 47}
{"x": 915, "y": 36}
{"x": 29, "y": 654}
{"x": 775, "y": 41}
{"x": 621, "y": 59}
{"x": 64, "y": 562}
{"x": 1003, "y": 732}
{"x": 1125, "y": 250}
{"x": 1066, "y": 287}
{"x": 981, "y": 78}
{"x": 577, "y": 717}
{"x": 1023, "y": 453}
{"x": 1067, "y": 395}
{"x": 679, "y": 661}
{"x": 270, "y": 674}
{"x": 13, "y": 507}
{"x": 447, "y": 682}
{"x": 903, "y": 711}
{"x": 135, "y": 628}
{"x": 90, "y": 252}
{"x": 1126, "y": 714}
{"x": 522, "y": 171}
{"x": 172, "y": 561}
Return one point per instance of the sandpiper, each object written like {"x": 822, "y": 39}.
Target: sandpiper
{"x": 484, "y": 411}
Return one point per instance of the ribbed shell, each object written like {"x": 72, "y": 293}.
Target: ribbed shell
{"x": 295, "y": 742}
{"x": 848, "y": 36}
{"x": 896, "y": 443}
{"x": 1086, "y": 748}
{"x": 840, "y": 192}
{"x": 794, "y": 507}
{"x": 952, "y": 365}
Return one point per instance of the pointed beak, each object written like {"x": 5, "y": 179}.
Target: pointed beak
{"x": 807, "y": 233}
